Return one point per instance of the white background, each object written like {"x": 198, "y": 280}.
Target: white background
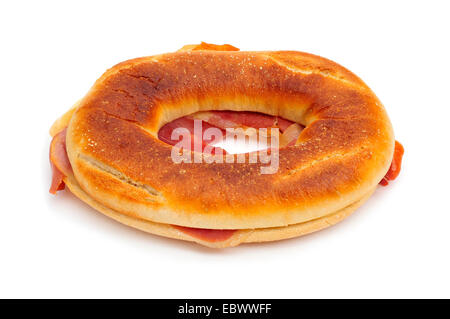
{"x": 396, "y": 245}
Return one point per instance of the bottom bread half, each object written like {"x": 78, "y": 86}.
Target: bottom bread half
{"x": 240, "y": 236}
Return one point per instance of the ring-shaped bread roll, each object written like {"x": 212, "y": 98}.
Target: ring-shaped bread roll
{"x": 116, "y": 163}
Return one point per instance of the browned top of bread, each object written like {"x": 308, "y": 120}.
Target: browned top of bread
{"x": 343, "y": 152}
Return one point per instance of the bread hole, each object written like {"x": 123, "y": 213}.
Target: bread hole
{"x": 235, "y": 132}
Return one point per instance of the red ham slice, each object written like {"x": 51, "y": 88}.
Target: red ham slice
{"x": 233, "y": 119}
{"x": 59, "y": 161}
{"x": 210, "y": 235}
{"x": 165, "y": 133}
{"x": 57, "y": 180}
{"x": 396, "y": 165}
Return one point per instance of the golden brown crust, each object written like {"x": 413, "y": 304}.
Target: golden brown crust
{"x": 342, "y": 154}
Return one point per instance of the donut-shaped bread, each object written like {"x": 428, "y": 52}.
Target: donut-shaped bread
{"x": 121, "y": 168}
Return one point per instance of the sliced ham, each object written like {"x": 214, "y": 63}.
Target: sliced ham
{"x": 233, "y": 119}
{"x": 396, "y": 165}
{"x": 57, "y": 180}
{"x": 210, "y": 235}
{"x": 165, "y": 133}
{"x": 59, "y": 161}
